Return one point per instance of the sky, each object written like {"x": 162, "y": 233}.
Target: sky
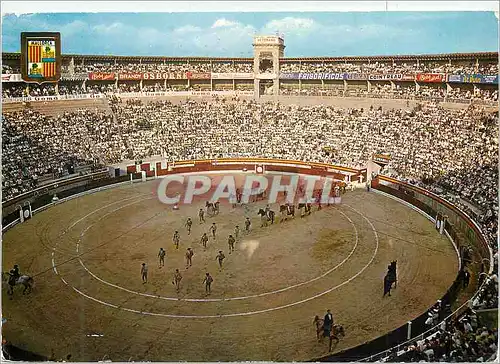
{"x": 307, "y": 34}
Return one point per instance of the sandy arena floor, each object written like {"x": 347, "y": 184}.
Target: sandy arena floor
{"x": 263, "y": 301}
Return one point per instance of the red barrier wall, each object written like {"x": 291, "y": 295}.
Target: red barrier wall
{"x": 270, "y": 165}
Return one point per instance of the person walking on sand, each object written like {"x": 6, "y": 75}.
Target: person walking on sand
{"x": 204, "y": 240}
{"x": 144, "y": 273}
{"x": 208, "y": 282}
{"x": 231, "y": 242}
{"x": 161, "y": 255}
{"x": 176, "y": 239}
{"x": 177, "y": 280}
{"x": 213, "y": 229}
{"x": 220, "y": 257}
{"x": 189, "y": 223}
{"x": 189, "y": 257}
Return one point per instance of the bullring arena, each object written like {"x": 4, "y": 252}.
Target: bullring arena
{"x": 412, "y": 148}
{"x": 90, "y": 249}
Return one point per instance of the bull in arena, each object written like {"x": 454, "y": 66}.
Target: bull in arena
{"x": 390, "y": 278}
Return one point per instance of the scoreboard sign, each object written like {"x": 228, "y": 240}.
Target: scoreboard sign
{"x": 40, "y": 57}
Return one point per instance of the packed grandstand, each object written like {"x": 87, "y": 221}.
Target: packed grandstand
{"x": 449, "y": 150}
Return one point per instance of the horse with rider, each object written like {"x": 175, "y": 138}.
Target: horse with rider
{"x": 286, "y": 210}
{"x": 333, "y": 332}
{"x": 14, "y": 278}
{"x": 305, "y": 209}
{"x": 266, "y": 215}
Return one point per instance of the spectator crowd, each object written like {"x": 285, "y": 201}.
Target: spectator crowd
{"x": 385, "y": 67}
{"x": 467, "y": 68}
{"x": 201, "y": 67}
{"x": 462, "y": 340}
{"x": 448, "y": 150}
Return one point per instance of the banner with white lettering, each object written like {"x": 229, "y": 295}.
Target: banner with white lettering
{"x": 232, "y": 76}
{"x": 12, "y": 78}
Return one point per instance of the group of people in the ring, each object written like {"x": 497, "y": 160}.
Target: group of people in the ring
{"x": 190, "y": 253}
{"x": 176, "y": 280}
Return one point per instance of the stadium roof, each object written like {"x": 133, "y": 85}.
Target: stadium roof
{"x": 423, "y": 57}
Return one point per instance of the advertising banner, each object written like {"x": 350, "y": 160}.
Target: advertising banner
{"x": 198, "y": 76}
{"x": 492, "y": 79}
{"x": 74, "y": 76}
{"x": 231, "y": 76}
{"x": 385, "y": 77}
{"x": 12, "y": 78}
{"x": 312, "y": 76}
{"x": 430, "y": 77}
{"x": 243, "y": 76}
{"x": 489, "y": 79}
{"x": 155, "y": 76}
{"x": 289, "y": 76}
{"x": 135, "y": 76}
{"x": 100, "y": 76}
{"x": 455, "y": 78}
{"x": 408, "y": 78}
{"x": 472, "y": 78}
{"x": 321, "y": 76}
{"x": 356, "y": 76}
{"x": 177, "y": 76}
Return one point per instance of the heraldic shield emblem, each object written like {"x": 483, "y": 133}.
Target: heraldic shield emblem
{"x": 40, "y": 57}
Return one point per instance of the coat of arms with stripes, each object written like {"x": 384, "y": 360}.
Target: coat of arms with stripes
{"x": 41, "y": 55}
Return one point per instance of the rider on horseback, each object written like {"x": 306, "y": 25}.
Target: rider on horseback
{"x": 15, "y": 272}
{"x": 14, "y": 275}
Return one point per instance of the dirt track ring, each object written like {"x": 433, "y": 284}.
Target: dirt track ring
{"x": 78, "y": 244}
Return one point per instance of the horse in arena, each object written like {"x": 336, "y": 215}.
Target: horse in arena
{"x": 390, "y": 278}
{"x": 305, "y": 209}
{"x": 336, "y": 332}
{"x": 25, "y": 280}
{"x": 287, "y": 210}
{"x": 265, "y": 217}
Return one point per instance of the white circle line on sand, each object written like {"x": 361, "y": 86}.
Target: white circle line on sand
{"x": 86, "y": 216}
{"x": 229, "y": 298}
{"x": 259, "y": 311}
